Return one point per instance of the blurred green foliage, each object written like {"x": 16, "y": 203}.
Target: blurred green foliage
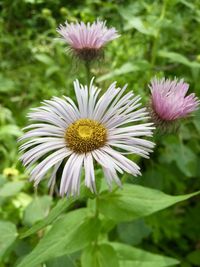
{"x": 157, "y": 37}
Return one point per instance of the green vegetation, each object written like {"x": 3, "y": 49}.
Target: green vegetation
{"x": 131, "y": 228}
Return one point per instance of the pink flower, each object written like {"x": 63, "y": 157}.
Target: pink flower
{"x": 87, "y": 40}
{"x": 169, "y": 101}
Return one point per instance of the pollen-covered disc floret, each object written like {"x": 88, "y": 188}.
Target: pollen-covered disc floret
{"x": 85, "y": 135}
{"x": 73, "y": 136}
{"x": 87, "y": 40}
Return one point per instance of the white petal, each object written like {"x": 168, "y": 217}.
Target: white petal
{"x": 82, "y": 98}
{"x": 61, "y": 110}
{"x": 47, "y": 116}
{"x": 40, "y": 170}
{"x": 32, "y": 155}
{"x": 106, "y": 160}
{"x": 77, "y": 166}
{"x": 89, "y": 172}
{"x": 40, "y": 140}
{"x": 111, "y": 176}
{"x": 70, "y": 181}
{"x": 65, "y": 174}
{"x": 104, "y": 101}
{"x": 125, "y": 163}
{"x": 52, "y": 179}
{"x": 94, "y": 92}
{"x": 133, "y": 149}
{"x": 40, "y": 133}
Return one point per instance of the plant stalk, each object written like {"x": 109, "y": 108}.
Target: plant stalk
{"x": 88, "y": 71}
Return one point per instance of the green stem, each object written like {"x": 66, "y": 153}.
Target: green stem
{"x": 97, "y": 207}
{"x": 157, "y": 36}
{"x": 123, "y": 180}
{"x": 88, "y": 71}
{"x": 96, "y": 216}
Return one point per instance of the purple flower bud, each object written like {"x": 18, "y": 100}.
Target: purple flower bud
{"x": 169, "y": 101}
{"x": 87, "y": 40}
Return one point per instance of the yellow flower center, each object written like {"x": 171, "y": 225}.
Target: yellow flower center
{"x": 85, "y": 135}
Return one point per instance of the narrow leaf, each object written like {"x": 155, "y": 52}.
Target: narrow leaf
{"x": 61, "y": 206}
{"x": 99, "y": 256}
{"x": 135, "y": 201}
{"x": 37, "y": 210}
{"x": 70, "y": 233}
{"x": 178, "y": 58}
{"x": 138, "y": 24}
{"x": 125, "y": 68}
{"x": 130, "y": 256}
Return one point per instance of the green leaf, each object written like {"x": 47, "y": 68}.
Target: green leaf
{"x": 10, "y": 130}
{"x": 194, "y": 257}
{"x": 99, "y": 256}
{"x": 125, "y": 68}
{"x": 130, "y": 256}
{"x": 11, "y": 188}
{"x": 70, "y": 233}
{"x": 188, "y": 4}
{"x": 63, "y": 261}
{"x": 135, "y": 201}
{"x": 37, "y": 210}
{"x": 8, "y": 234}
{"x": 196, "y": 120}
{"x": 133, "y": 232}
{"x": 131, "y": 10}
{"x": 130, "y": 14}
{"x": 138, "y": 24}
{"x": 186, "y": 160}
{"x": 51, "y": 70}
{"x": 6, "y": 85}
{"x": 178, "y": 58}
{"x": 61, "y": 206}
{"x": 47, "y": 60}
{"x": 34, "y": 1}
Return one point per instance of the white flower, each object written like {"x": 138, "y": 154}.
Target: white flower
{"x": 96, "y": 130}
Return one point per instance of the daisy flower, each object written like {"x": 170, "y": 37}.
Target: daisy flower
{"x": 87, "y": 40}
{"x": 96, "y": 129}
{"x": 169, "y": 101}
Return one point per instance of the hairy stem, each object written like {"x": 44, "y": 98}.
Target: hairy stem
{"x": 88, "y": 71}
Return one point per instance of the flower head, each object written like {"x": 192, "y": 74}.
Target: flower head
{"x": 87, "y": 40}
{"x": 96, "y": 130}
{"x": 169, "y": 101}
